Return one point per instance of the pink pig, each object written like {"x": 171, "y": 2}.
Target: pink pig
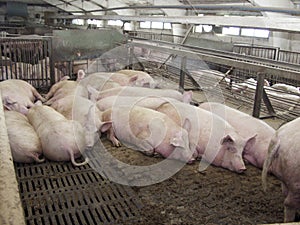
{"x": 212, "y": 138}
{"x": 66, "y": 87}
{"x": 142, "y": 79}
{"x": 62, "y": 139}
{"x": 284, "y": 162}
{"x": 18, "y": 95}
{"x": 24, "y": 142}
{"x": 140, "y": 91}
{"x": 246, "y": 125}
{"x": 99, "y": 82}
{"x": 85, "y": 112}
{"x": 149, "y": 131}
{"x": 116, "y": 101}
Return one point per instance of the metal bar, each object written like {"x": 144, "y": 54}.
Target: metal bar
{"x": 195, "y": 83}
{"x": 182, "y": 72}
{"x": 51, "y": 62}
{"x": 237, "y": 61}
{"x": 187, "y": 34}
{"x": 207, "y": 7}
{"x": 165, "y": 61}
{"x": 268, "y": 103}
{"x": 137, "y": 60}
{"x": 226, "y": 54}
{"x": 226, "y": 74}
{"x": 258, "y": 95}
{"x": 276, "y": 55}
{"x": 130, "y": 60}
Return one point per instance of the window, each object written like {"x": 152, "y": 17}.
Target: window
{"x": 203, "y": 28}
{"x": 145, "y": 25}
{"x": 167, "y": 26}
{"x": 115, "y": 23}
{"x": 261, "y": 33}
{"x": 207, "y": 28}
{"x": 128, "y": 26}
{"x": 231, "y": 30}
{"x": 157, "y": 25}
{"x": 247, "y": 32}
{"x": 251, "y": 32}
{"x": 198, "y": 28}
{"x": 98, "y": 23}
{"x": 78, "y": 21}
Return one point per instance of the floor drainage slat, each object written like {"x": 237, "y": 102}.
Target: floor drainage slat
{"x": 59, "y": 193}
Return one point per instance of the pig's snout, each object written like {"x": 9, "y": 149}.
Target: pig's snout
{"x": 191, "y": 161}
{"x": 241, "y": 170}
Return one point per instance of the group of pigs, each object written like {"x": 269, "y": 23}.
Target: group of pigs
{"x": 127, "y": 106}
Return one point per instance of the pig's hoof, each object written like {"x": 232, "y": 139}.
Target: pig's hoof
{"x": 191, "y": 161}
{"x": 149, "y": 153}
{"x": 156, "y": 155}
{"x": 117, "y": 143}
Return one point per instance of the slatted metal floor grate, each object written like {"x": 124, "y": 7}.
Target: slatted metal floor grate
{"x": 59, "y": 193}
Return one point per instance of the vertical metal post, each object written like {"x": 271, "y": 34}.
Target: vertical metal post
{"x": 258, "y": 94}
{"x": 70, "y": 69}
{"x": 182, "y": 73}
{"x": 51, "y": 62}
{"x": 276, "y": 54}
{"x": 130, "y": 58}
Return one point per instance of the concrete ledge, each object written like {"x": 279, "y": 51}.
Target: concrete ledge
{"x": 11, "y": 211}
{"x": 295, "y": 223}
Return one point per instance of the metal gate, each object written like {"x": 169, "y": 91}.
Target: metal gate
{"x": 28, "y": 59}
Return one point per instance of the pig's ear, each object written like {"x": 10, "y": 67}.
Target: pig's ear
{"x": 91, "y": 120}
{"x": 249, "y": 143}
{"x": 80, "y": 75}
{"x": 133, "y": 79}
{"x": 177, "y": 140}
{"x": 105, "y": 126}
{"x": 187, "y": 96}
{"x": 227, "y": 140}
{"x": 93, "y": 93}
{"x": 153, "y": 84}
{"x": 187, "y": 125}
{"x": 8, "y": 103}
{"x": 64, "y": 78}
{"x": 39, "y": 102}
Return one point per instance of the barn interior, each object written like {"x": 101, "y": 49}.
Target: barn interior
{"x": 228, "y": 51}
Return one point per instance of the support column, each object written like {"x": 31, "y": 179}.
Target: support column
{"x": 258, "y": 95}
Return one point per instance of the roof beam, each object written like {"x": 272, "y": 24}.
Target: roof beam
{"x": 210, "y": 7}
{"x": 286, "y": 24}
{"x": 65, "y": 5}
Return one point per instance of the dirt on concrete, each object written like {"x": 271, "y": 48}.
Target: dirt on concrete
{"x": 213, "y": 196}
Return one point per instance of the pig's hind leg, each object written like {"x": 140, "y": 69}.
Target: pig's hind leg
{"x": 112, "y": 137}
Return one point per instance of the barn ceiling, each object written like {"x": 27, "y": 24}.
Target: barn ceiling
{"x": 247, "y": 13}
{"x": 85, "y": 6}
{"x": 93, "y": 5}
{"x": 126, "y": 7}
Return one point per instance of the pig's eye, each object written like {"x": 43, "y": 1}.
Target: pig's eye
{"x": 231, "y": 150}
